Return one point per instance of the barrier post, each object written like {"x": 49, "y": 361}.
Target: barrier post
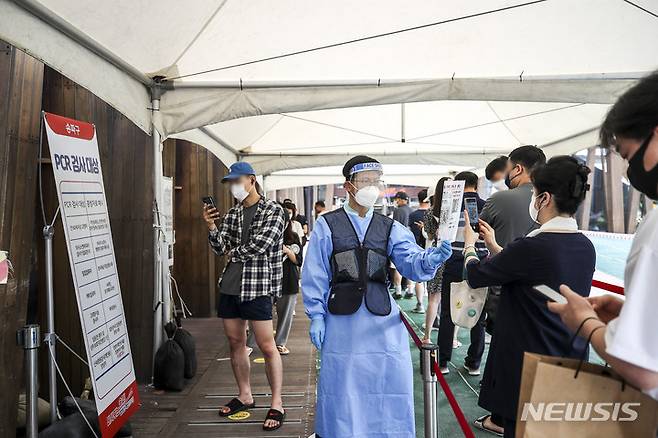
{"x": 50, "y": 338}
{"x": 28, "y": 338}
{"x": 429, "y": 390}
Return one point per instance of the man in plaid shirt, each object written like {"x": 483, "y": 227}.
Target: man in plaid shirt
{"x": 251, "y": 234}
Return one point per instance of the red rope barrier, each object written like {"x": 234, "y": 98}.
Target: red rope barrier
{"x": 461, "y": 419}
{"x": 608, "y": 287}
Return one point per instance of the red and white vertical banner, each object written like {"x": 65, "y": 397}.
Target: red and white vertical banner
{"x": 81, "y": 192}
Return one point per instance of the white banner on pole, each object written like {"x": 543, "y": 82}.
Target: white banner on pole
{"x": 81, "y": 193}
{"x": 451, "y": 206}
{"x": 167, "y": 215}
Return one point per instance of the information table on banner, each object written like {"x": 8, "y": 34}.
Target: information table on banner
{"x": 81, "y": 192}
{"x": 451, "y": 209}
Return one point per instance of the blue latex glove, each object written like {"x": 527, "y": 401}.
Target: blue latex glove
{"x": 317, "y": 331}
{"x": 438, "y": 255}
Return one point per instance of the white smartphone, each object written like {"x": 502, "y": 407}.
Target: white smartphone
{"x": 551, "y": 294}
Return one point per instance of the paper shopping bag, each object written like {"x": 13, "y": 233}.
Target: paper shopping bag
{"x": 466, "y": 304}
{"x": 563, "y": 397}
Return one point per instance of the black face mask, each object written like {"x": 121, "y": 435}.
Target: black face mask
{"x": 646, "y": 181}
{"x": 508, "y": 180}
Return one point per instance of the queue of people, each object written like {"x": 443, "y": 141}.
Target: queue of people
{"x": 526, "y": 236}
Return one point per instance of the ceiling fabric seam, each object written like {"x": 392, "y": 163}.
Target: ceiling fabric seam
{"x": 259, "y": 138}
{"x": 647, "y": 11}
{"x": 342, "y": 128}
{"x": 199, "y": 33}
{"x": 329, "y": 146}
{"x": 493, "y": 123}
{"x": 367, "y": 38}
{"x": 503, "y": 123}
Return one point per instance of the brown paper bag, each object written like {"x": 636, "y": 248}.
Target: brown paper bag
{"x": 555, "y": 403}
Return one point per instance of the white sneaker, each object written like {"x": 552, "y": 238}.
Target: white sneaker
{"x": 444, "y": 370}
{"x": 472, "y": 371}
{"x": 419, "y": 308}
{"x": 456, "y": 344}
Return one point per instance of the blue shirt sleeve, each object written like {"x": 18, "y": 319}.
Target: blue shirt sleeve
{"x": 316, "y": 272}
{"x": 410, "y": 259}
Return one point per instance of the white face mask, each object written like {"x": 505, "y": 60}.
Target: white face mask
{"x": 532, "y": 210}
{"x": 367, "y": 196}
{"x": 500, "y": 185}
{"x": 238, "y": 191}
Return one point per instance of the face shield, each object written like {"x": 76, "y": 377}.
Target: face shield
{"x": 367, "y": 183}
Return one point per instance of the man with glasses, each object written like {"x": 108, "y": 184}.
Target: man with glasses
{"x": 366, "y": 382}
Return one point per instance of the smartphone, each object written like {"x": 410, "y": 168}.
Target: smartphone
{"x": 209, "y": 201}
{"x": 471, "y": 205}
{"x": 550, "y": 293}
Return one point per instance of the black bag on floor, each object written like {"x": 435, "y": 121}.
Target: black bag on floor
{"x": 73, "y": 425}
{"x": 169, "y": 366}
{"x": 186, "y": 342}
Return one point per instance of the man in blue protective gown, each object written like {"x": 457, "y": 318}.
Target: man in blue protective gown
{"x": 366, "y": 379}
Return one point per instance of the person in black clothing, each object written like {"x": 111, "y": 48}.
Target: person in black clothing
{"x": 401, "y": 214}
{"x": 285, "y": 304}
{"x": 453, "y": 273}
{"x": 301, "y": 219}
{"x": 554, "y": 254}
{"x": 416, "y": 224}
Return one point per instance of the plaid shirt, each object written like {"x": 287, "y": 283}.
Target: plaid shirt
{"x": 262, "y": 255}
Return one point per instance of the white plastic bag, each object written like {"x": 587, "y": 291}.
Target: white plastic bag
{"x": 466, "y": 304}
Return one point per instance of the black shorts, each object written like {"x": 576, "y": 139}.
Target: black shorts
{"x": 258, "y": 309}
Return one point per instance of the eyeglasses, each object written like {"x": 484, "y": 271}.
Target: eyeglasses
{"x": 360, "y": 183}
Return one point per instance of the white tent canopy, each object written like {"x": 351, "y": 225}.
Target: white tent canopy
{"x": 292, "y": 84}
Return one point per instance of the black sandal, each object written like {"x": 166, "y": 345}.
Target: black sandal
{"x": 235, "y": 406}
{"x": 275, "y": 415}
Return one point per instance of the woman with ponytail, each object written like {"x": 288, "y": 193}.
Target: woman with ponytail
{"x": 552, "y": 255}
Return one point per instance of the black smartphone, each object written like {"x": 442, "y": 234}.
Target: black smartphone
{"x": 209, "y": 201}
{"x": 471, "y": 205}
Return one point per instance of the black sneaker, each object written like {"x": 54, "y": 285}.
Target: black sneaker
{"x": 397, "y": 296}
{"x": 408, "y": 295}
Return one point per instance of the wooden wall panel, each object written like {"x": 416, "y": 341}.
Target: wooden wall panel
{"x": 126, "y": 158}
{"x": 197, "y": 174}
{"x": 20, "y": 103}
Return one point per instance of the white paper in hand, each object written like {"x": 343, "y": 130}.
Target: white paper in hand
{"x": 451, "y": 209}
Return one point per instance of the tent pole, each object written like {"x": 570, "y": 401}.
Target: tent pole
{"x": 157, "y": 231}
{"x": 375, "y": 82}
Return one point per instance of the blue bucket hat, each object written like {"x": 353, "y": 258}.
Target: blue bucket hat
{"x": 239, "y": 169}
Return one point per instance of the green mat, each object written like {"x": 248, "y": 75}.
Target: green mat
{"x": 464, "y": 387}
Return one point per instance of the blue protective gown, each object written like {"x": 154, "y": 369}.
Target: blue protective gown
{"x": 366, "y": 378}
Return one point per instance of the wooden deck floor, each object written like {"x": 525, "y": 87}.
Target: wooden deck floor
{"x": 192, "y": 412}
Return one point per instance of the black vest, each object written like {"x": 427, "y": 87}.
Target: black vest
{"x": 359, "y": 269}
